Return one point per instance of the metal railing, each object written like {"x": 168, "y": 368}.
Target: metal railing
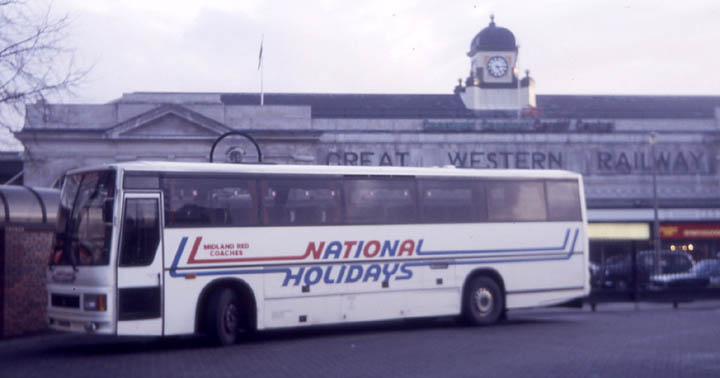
{"x": 641, "y": 276}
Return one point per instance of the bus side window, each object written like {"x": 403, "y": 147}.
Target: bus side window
{"x": 516, "y": 200}
{"x": 210, "y": 201}
{"x": 273, "y": 206}
{"x": 380, "y": 201}
{"x": 451, "y": 201}
{"x": 194, "y": 210}
{"x": 563, "y": 201}
{"x": 233, "y": 202}
{"x": 304, "y": 201}
{"x": 185, "y": 202}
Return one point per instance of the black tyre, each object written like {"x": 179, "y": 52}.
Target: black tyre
{"x": 484, "y": 302}
{"x": 222, "y": 317}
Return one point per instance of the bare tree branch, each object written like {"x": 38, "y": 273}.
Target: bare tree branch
{"x": 35, "y": 61}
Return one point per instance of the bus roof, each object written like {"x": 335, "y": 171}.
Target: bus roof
{"x": 450, "y": 171}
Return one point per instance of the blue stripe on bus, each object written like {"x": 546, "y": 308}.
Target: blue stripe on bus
{"x": 181, "y": 247}
{"x": 572, "y": 247}
{"x": 176, "y": 260}
{"x": 491, "y": 261}
{"x": 482, "y": 251}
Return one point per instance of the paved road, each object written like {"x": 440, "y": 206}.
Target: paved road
{"x": 619, "y": 340}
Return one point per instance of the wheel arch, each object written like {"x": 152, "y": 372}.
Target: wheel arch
{"x": 241, "y": 289}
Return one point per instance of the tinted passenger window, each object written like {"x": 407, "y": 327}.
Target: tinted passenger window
{"x": 451, "y": 201}
{"x": 301, "y": 202}
{"x": 378, "y": 201}
{"x": 510, "y": 201}
{"x": 210, "y": 202}
{"x": 563, "y": 201}
{"x": 141, "y": 232}
{"x": 233, "y": 203}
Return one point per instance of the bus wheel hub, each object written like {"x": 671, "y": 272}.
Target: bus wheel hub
{"x": 231, "y": 318}
{"x": 483, "y": 300}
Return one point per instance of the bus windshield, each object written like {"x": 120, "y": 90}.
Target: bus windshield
{"x": 85, "y": 220}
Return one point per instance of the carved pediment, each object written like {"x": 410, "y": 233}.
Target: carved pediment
{"x": 168, "y": 121}
{"x": 170, "y": 125}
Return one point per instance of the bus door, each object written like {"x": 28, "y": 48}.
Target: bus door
{"x": 139, "y": 274}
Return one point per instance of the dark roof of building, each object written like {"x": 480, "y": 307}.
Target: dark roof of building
{"x": 670, "y": 107}
{"x": 493, "y": 38}
{"x": 451, "y": 106}
{"x": 363, "y": 105}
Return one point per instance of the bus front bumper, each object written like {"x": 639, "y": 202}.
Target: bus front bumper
{"x": 78, "y": 324}
{"x": 75, "y": 309}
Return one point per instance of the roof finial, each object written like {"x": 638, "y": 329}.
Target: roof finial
{"x": 492, "y": 20}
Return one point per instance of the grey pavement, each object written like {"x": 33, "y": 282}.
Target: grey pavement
{"x": 618, "y": 340}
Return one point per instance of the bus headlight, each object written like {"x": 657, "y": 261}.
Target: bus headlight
{"x": 95, "y": 302}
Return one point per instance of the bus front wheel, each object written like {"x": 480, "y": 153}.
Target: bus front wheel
{"x": 223, "y": 317}
{"x": 484, "y": 302}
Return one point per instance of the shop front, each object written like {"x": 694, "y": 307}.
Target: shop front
{"x": 699, "y": 240}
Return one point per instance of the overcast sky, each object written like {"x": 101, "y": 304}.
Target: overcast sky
{"x": 391, "y": 46}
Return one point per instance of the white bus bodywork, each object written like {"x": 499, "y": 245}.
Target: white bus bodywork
{"x": 311, "y": 275}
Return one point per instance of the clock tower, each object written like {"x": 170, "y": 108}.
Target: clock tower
{"x": 493, "y": 83}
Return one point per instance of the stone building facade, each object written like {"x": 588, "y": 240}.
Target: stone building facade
{"x": 492, "y": 119}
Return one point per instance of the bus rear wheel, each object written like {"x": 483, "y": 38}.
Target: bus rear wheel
{"x": 484, "y": 302}
{"x": 222, "y": 319}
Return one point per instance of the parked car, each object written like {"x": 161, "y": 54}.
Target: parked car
{"x": 704, "y": 274}
{"x": 595, "y": 274}
{"x": 619, "y": 273}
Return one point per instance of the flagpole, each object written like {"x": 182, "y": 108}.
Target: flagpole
{"x": 262, "y": 92}
{"x": 519, "y": 95}
{"x": 262, "y": 71}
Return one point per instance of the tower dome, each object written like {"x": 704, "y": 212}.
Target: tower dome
{"x": 493, "y": 38}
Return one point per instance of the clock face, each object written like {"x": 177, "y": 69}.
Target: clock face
{"x": 497, "y": 66}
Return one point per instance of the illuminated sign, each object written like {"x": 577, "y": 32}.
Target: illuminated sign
{"x": 619, "y": 231}
{"x": 690, "y": 231}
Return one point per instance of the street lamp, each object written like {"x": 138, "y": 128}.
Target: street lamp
{"x": 656, "y": 222}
